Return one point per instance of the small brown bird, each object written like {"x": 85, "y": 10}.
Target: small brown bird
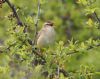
{"x": 46, "y": 35}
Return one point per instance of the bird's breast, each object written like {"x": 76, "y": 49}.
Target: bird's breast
{"x": 46, "y": 37}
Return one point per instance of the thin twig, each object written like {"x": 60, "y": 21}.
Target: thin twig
{"x": 95, "y": 14}
{"x": 76, "y": 51}
{"x": 36, "y": 30}
{"x": 36, "y": 23}
{"x": 58, "y": 71}
{"x": 19, "y": 22}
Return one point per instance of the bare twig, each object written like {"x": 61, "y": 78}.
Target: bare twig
{"x": 19, "y": 22}
{"x": 36, "y": 23}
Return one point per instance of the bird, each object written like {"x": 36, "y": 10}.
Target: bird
{"x": 46, "y": 36}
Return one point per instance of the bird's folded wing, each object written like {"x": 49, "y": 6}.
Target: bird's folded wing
{"x": 40, "y": 32}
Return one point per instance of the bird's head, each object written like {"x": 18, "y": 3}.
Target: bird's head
{"x": 48, "y": 23}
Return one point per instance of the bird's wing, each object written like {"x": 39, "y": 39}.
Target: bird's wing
{"x": 40, "y": 32}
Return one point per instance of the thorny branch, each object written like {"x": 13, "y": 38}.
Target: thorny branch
{"x": 19, "y": 22}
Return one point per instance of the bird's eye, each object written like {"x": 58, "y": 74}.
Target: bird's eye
{"x": 50, "y": 24}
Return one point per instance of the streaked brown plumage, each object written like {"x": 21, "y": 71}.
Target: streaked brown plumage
{"x": 46, "y": 35}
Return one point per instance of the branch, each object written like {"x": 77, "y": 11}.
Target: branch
{"x": 95, "y": 14}
{"x": 90, "y": 47}
{"x": 38, "y": 54}
{"x": 36, "y": 32}
{"x": 19, "y": 22}
{"x": 36, "y": 23}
